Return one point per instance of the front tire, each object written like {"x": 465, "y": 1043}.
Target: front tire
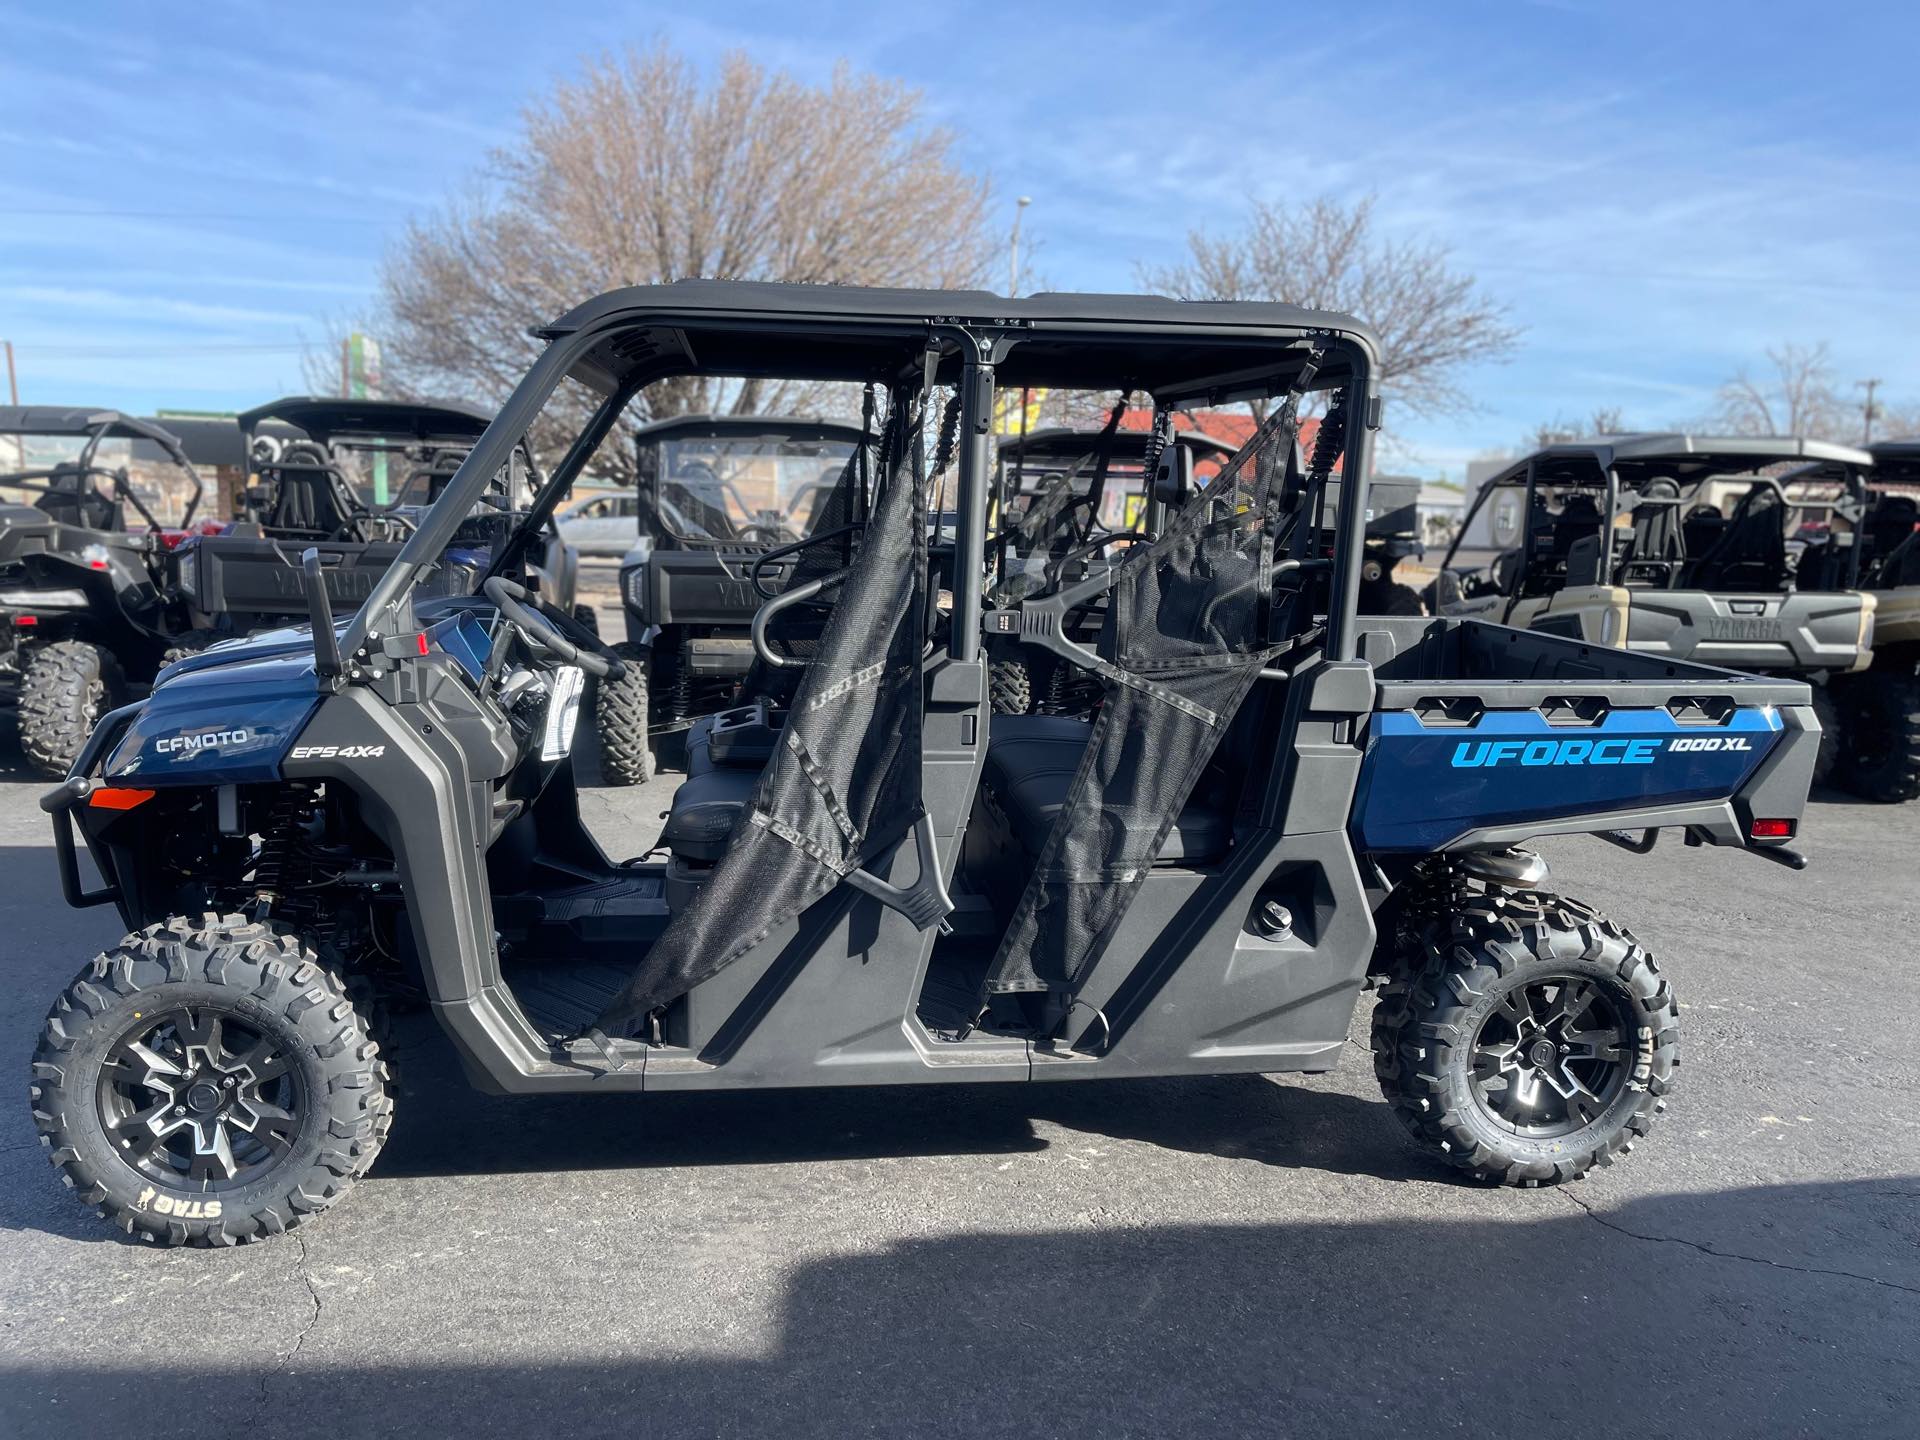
{"x": 208, "y": 1082}
{"x": 620, "y": 716}
{"x": 1530, "y": 1040}
{"x": 67, "y": 687}
{"x": 1878, "y": 735}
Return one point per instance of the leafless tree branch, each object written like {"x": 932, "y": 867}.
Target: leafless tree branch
{"x": 637, "y": 172}
{"x": 1431, "y": 319}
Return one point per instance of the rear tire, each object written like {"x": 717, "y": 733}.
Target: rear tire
{"x": 620, "y": 716}
{"x": 1878, "y": 735}
{"x": 67, "y": 687}
{"x": 1391, "y": 598}
{"x": 1827, "y": 712}
{"x": 1487, "y": 1078}
{"x": 283, "y": 1099}
{"x": 1010, "y": 687}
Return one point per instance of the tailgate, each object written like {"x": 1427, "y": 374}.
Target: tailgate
{"x": 1801, "y": 631}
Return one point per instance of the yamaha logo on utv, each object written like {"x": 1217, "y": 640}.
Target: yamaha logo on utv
{"x": 1251, "y": 799}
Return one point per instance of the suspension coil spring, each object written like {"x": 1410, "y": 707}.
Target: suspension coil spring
{"x": 1331, "y": 439}
{"x": 1159, "y": 434}
{"x": 276, "y": 844}
{"x": 949, "y": 434}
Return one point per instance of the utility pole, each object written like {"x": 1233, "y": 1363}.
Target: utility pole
{"x": 13, "y": 398}
{"x": 1870, "y": 413}
{"x": 1013, "y": 246}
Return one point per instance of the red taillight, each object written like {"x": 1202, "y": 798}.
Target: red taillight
{"x": 1771, "y": 830}
{"x": 24, "y": 620}
{"x": 112, "y": 797}
{"x": 421, "y": 639}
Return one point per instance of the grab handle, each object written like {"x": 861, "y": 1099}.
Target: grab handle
{"x": 925, "y": 902}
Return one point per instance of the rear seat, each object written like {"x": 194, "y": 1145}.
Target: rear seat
{"x": 1031, "y": 762}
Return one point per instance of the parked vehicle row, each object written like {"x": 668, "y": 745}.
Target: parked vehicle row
{"x": 98, "y": 597}
{"x": 1710, "y": 548}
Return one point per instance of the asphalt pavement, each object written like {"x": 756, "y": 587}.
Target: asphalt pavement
{"x": 1186, "y": 1257}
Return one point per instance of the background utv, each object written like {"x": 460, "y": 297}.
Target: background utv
{"x": 1276, "y": 799}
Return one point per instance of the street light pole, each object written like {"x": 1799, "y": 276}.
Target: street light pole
{"x": 1013, "y": 246}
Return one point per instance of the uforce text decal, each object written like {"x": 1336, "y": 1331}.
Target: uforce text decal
{"x": 1471, "y": 754}
{"x": 338, "y": 752}
{"x": 206, "y": 740}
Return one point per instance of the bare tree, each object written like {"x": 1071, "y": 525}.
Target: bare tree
{"x": 1798, "y": 397}
{"x": 1605, "y": 420}
{"x": 636, "y": 172}
{"x": 1430, "y": 318}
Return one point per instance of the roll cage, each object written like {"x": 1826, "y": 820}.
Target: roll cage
{"x": 1180, "y": 354}
{"x": 311, "y": 492}
{"x": 1628, "y": 471}
{"x": 775, "y": 430}
{"x": 93, "y": 426}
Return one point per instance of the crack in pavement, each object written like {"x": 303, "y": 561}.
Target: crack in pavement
{"x": 281, "y": 1365}
{"x": 1705, "y": 1249}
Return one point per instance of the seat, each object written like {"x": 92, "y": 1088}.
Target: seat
{"x": 1031, "y": 762}
{"x": 738, "y": 739}
{"x": 70, "y": 498}
{"x": 705, "y": 809}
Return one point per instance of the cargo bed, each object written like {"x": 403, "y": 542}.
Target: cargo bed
{"x": 1484, "y": 735}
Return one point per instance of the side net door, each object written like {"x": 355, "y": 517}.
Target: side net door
{"x": 1190, "y": 623}
{"x": 843, "y": 786}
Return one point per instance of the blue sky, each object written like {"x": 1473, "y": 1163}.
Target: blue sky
{"x": 1658, "y": 192}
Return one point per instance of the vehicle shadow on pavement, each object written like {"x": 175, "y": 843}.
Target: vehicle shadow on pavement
{"x": 442, "y": 1127}
{"x": 1702, "y": 1315}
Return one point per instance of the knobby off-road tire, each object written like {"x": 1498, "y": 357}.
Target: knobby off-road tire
{"x": 208, "y": 1082}
{"x": 1442, "y": 1022}
{"x": 67, "y": 687}
{"x": 1391, "y": 598}
{"x": 1010, "y": 687}
{"x": 195, "y": 643}
{"x": 1827, "y": 712}
{"x": 587, "y": 618}
{"x": 1879, "y": 735}
{"x": 620, "y": 718}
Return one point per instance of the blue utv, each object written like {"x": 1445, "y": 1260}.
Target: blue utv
{"x": 870, "y": 878}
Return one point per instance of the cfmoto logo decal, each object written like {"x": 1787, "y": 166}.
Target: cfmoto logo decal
{"x": 190, "y": 743}
{"x": 1477, "y": 754}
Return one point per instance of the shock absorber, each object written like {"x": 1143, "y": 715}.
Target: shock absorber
{"x": 276, "y": 848}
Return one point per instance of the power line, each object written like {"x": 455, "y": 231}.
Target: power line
{"x": 110, "y": 352}
{"x": 280, "y": 219}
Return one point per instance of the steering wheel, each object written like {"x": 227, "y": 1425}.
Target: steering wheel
{"x": 560, "y": 635}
